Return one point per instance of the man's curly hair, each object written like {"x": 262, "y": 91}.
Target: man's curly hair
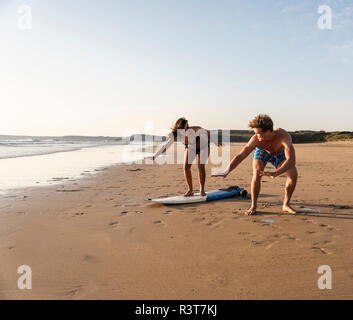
{"x": 262, "y": 121}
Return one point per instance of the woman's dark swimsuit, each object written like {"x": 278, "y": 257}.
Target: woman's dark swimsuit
{"x": 198, "y": 147}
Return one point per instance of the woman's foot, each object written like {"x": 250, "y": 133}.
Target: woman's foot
{"x": 251, "y": 211}
{"x": 202, "y": 193}
{"x": 189, "y": 193}
{"x": 288, "y": 209}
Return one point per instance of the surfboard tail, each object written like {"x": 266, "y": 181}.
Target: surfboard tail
{"x": 222, "y": 194}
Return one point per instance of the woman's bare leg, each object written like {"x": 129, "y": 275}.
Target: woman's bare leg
{"x": 187, "y": 173}
{"x": 201, "y": 163}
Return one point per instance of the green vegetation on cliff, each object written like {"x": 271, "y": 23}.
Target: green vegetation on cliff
{"x": 299, "y": 136}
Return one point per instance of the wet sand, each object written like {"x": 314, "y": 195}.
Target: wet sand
{"x": 98, "y": 237}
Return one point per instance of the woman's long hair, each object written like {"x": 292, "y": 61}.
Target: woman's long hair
{"x": 179, "y": 124}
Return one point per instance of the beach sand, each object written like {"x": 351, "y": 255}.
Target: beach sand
{"x": 98, "y": 238}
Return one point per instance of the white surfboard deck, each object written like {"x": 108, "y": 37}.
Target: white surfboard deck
{"x": 196, "y": 198}
{"x": 181, "y": 199}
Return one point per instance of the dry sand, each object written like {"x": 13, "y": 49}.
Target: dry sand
{"x": 98, "y": 238}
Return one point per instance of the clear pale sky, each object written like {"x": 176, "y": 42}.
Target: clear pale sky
{"x": 101, "y": 67}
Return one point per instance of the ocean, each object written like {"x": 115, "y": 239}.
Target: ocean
{"x": 32, "y": 161}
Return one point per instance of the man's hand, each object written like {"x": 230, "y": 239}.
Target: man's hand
{"x": 220, "y": 174}
{"x": 268, "y": 174}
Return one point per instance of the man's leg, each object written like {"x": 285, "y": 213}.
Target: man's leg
{"x": 258, "y": 165}
{"x": 187, "y": 172}
{"x": 292, "y": 177}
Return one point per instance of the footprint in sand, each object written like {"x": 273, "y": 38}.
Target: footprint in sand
{"x": 326, "y": 242}
{"x": 74, "y": 292}
{"x": 265, "y": 225}
{"x": 216, "y": 280}
{"x": 199, "y": 219}
{"x": 276, "y": 238}
{"x": 270, "y": 226}
{"x": 69, "y": 190}
{"x": 213, "y": 222}
{"x": 284, "y": 236}
{"x": 304, "y": 210}
{"x": 159, "y": 223}
{"x": 123, "y": 213}
{"x": 80, "y": 214}
{"x": 271, "y": 244}
{"x": 89, "y": 258}
{"x": 306, "y": 220}
{"x": 255, "y": 243}
{"x": 322, "y": 243}
{"x": 331, "y": 228}
{"x": 287, "y": 236}
{"x": 113, "y": 224}
{"x": 193, "y": 291}
{"x": 321, "y": 250}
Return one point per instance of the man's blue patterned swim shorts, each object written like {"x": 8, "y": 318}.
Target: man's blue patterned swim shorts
{"x": 263, "y": 155}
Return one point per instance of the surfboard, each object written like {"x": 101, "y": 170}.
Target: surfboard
{"x": 210, "y": 196}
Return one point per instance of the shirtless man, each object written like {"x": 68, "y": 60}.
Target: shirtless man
{"x": 270, "y": 145}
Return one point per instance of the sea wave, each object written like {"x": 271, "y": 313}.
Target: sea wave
{"x": 19, "y": 148}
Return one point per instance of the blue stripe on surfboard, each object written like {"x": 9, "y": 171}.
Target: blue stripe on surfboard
{"x": 221, "y": 194}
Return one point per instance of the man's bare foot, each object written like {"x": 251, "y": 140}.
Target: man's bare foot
{"x": 202, "y": 193}
{"x": 189, "y": 193}
{"x": 288, "y": 209}
{"x": 251, "y": 211}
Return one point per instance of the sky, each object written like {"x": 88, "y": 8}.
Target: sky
{"x": 114, "y": 67}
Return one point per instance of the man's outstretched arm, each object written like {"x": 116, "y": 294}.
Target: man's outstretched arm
{"x": 250, "y": 146}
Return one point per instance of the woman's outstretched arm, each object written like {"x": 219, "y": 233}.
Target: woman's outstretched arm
{"x": 162, "y": 149}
